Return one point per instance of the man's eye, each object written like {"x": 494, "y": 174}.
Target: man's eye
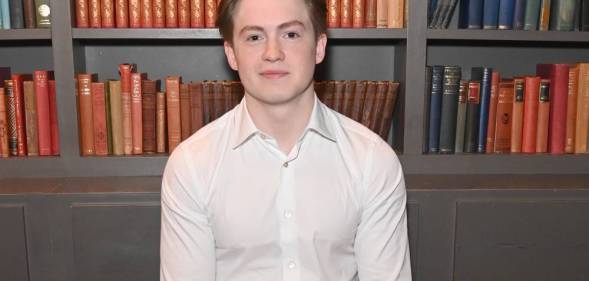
{"x": 253, "y": 38}
{"x": 292, "y": 35}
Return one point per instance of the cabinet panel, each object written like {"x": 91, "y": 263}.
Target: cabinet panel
{"x": 14, "y": 264}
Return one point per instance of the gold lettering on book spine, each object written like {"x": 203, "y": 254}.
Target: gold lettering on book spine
{"x": 211, "y": 13}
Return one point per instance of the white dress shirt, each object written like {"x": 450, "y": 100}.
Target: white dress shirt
{"x": 235, "y": 207}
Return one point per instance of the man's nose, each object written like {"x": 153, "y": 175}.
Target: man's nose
{"x": 273, "y": 51}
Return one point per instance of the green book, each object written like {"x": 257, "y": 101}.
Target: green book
{"x": 563, "y": 15}
{"x": 532, "y": 15}
{"x": 43, "y": 13}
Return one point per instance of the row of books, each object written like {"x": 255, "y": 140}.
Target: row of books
{"x": 146, "y": 13}
{"x": 543, "y": 15}
{"x": 28, "y": 114}
{"x": 371, "y": 103}
{"x": 366, "y": 13}
{"x": 15, "y": 14}
{"x": 547, "y": 112}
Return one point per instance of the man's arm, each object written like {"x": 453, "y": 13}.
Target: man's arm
{"x": 381, "y": 246}
{"x": 187, "y": 249}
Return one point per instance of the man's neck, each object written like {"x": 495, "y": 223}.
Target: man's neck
{"x": 284, "y": 122}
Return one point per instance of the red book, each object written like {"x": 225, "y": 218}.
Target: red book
{"x": 122, "y": 13}
{"x": 346, "y": 19}
{"x": 197, "y": 13}
{"x": 358, "y": 13}
{"x": 185, "y": 111}
{"x": 125, "y": 73}
{"x": 171, "y": 14}
{"x": 53, "y": 116}
{"x": 19, "y": 110}
{"x": 173, "y": 112}
{"x": 99, "y": 118}
{"x": 159, "y": 13}
{"x": 107, "y": 12}
{"x": 333, "y": 13}
{"x": 503, "y": 118}
{"x": 41, "y": 80}
{"x": 490, "y": 145}
{"x": 82, "y": 20}
{"x": 543, "y": 115}
{"x": 558, "y": 74}
{"x": 530, "y": 126}
{"x": 134, "y": 13}
{"x": 94, "y": 12}
{"x": 146, "y": 14}
{"x": 370, "y": 19}
{"x": 136, "y": 112}
{"x": 210, "y": 13}
{"x": 183, "y": 13}
{"x": 517, "y": 115}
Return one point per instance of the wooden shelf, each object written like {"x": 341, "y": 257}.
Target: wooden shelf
{"x": 25, "y": 34}
{"x": 507, "y": 35}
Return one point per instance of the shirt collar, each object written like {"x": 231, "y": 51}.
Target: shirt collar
{"x": 245, "y": 127}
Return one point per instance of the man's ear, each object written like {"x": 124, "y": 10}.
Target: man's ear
{"x": 320, "y": 48}
{"x": 230, "y": 53}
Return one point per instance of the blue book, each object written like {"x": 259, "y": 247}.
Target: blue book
{"x": 506, "y": 14}
{"x": 430, "y": 10}
{"x": 491, "y": 14}
{"x": 484, "y": 75}
{"x": 435, "y": 109}
{"x": 5, "y": 10}
{"x": 519, "y": 14}
{"x": 471, "y": 14}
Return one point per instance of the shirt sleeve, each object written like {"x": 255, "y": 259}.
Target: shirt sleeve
{"x": 187, "y": 250}
{"x": 381, "y": 245}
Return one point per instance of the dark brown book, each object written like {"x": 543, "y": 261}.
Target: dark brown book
{"x": 107, "y": 97}
{"x": 86, "y": 115}
{"x": 31, "y": 118}
{"x": 134, "y": 13}
{"x": 543, "y": 116}
{"x": 210, "y": 13}
{"x": 99, "y": 118}
{"x": 116, "y": 111}
{"x": 160, "y": 122}
{"x": 11, "y": 113}
{"x": 370, "y": 19}
{"x": 389, "y": 107}
{"x": 359, "y": 97}
{"x": 4, "y": 149}
{"x": 82, "y": 14}
{"x": 94, "y": 13}
{"x": 107, "y": 12}
{"x": 503, "y": 118}
{"x": 183, "y": 13}
{"x": 53, "y": 119}
{"x": 19, "y": 111}
{"x": 41, "y": 79}
{"x": 218, "y": 100}
{"x": 491, "y": 122}
{"x": 358, "y": 13}
{"x": 43, "y": 13}
{"x": 149, "y": 88}
{"x": 197, "y": 13}
{"x": 196, "y": 104}
{"x": 346, "y": 19}
{"x": 185, "y": 112}
{"x": 369, "y": 100}
{"x": 159, "y": 13}
{"x": 125, "y": 71}
{"x": 146, "y": 14}
{"x": 348, "y": 106}
{"x": 173, "y": 112}
{"x": 122, "y": 13}
{"x": 30, "y": 13}
{"x": 208, "y": 104}
{"x": 378, "y": 109}
{"x": 171, "y": 14}
{"x": 136, "y": 114}
{"x": 333, "y": 13}
{"x": 338, "y": 95}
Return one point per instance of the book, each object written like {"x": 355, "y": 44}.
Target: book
{"x": 94, "y": 13}
{"x": 379, "y": 103}
{"x": 381, "y": 13}
{"x": 11, "y": 118}
{"x": 173, "y": 111}
{"x": 16, "y": 14}
{"x": 543, "y": 115}
{"x": 4, "y": 149}
{"x": 19, "y": 111}
{"x": 558, "y": 77}
{"x": 171, "y": 10}
{"x": 160, "y": 122}
{"x": 122, "y": 13}
{"x": 544, "y": 15}
{"x": 159, "y": 13}
{"x": 210, "y": 13}
{"x": 125, "y": 71}
{"x": 485, "y": 75}
{"x": 358, "y": 13}
{"x": 519, "y": 13}
{"x": 530, "y": 121}
{"x": 448, "y": 14}
{"x": 435, "y": 103}
{"x": 40, "y": 78}
{"x": 183, "y": 13}
{"x": 185, "y": 111}
{"x": 582, "y": 120}
{"x": 369, "y": 100}
{"x": 99, "y": 118}
{"x": 348, "y": 104}
{"x": 55, "y": 149}
{"x": 4, "y": 15}
{"x": 471, "y": 14}
{"x": 107, "y": 97}
{"x": 472, "y": 117}
{"x": 43, "y": 15}
{"x": 517, "y": 115}
{"x": 506, "y": 9}
{"x": 491, "y": 14}
{"x": 346, "y": 13}
{"x": 370, "y": 11}
{"x": 116, "y": 110}
{"x": 461, "y": 116}
{"x": 136, "y": 112}
{"x": 30, "y": 13}
{"x": 426, "y": 107}
{"x": 573, "y": 84}
{"x": 196, "y": 104}
{"x": 359, "y": 98}
{"x": 134, "y": 13}
{"x": 395, "y": 14}
{"x": 389, "y": 105}
{"x": 107, "y": 13}
{"x": 451, "y": 87}
{"x": 492, "y": 120}
{"x": 31, "y": 118}
{"x": 563, "y": 15}
{"x": 149, "y": 88}
{"x": 584, "y": 16}
{"x": 197, "y": 15}
{"x": 532, "y": 15}
{"x": 503, "y": 119}
{"x": 86, "y": 115}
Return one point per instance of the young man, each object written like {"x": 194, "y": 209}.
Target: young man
{"x": 281, "y": 187}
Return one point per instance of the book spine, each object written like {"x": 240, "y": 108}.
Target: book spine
{"x": 472, "y": 117}
{"x": 134, "y": 13}
{"x": 136, "y": 114}
{"x": 86, "y": 114}
{"x": 475, "y": 14}
{"x": 389, "y": 106}
{"x": 30, "y": 13}
{"x": 183, "y": 13}
{"x": 503, "y": 119}
{"x": 379, "y": 102}
{"x": 559, "y": 80}
{"x": 530, "y": 126}
{"x": 359, "y": 97}
{"x": 517, "y": 115}
{"x": 146, "y": 14}
{"x": 19, "y": 113}
{"x": 11, "y": 113}
{"x": 208, "y": 104}
{"x": 4, "y": 15}
{"x": 116, "y": 109}
{"x": 333, "y": 14}
{"x": 125, "y": 73}
{"x": 31, "y": 118}
{"x": 573, "y": 84}
{"x": 484, "y": 110}
{"x": 338, "y": 97}
{"x": 381, "y": 13}
{"x": 16, "y": 14}
{"x": 506, "y": 8}
{"x": 55, "y": 151}
{"x": 544, "y": 15}
{"x": 543, "y": 115}
{"x": 370, "y": 19}
{"x": 346, "y": 13}
{"x": 43, "y": 116}
{"x": 227, "y": 96}
{"x": 107, "y": 12}
{"x": 107, "y": 98}
{"x": 173, "y": 112}
{"x": 564, "y": 15}
{"x": 492, "y": 122}
{"x": 160, "y": 119}
{"x": 196, "y": 102}
{"x": 435, "y": 109}
{"x": 395, "y": 14}
{"x": 582, "y": 122}
{"x": 4, "y": 149}
{"x": 461, "y": 117}
{"x": 197, "y": 13}
{"x": 122, "y": 13}
{"x": 94, "y": 13}
{"x": 43, "y": 13}
{"x": 99, "y": 118}
{"x": 185, "y": 114}
{"x": 491, "y": 14}
{"x": 584, "y": 16}
{"x": 519, "y": 13}
{"x": 451, "y": 86}
{"x": 369, "y": 103}
{"x": 349, "y": 87}
{"x": 159, "y": 13}
{"x": 449, "y": 13}
{"x": 532, "y": 15}
{"x": 210, "y": 13}
{"x": 358, "y": 13}
{"x": 149, "y": 116}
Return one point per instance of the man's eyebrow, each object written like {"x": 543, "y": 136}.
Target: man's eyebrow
{"x": 281, "y": 26}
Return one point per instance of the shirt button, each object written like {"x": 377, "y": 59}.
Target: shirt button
{"x": 285, "y": 165}
{"x": 288, "y": 214}
{"x": 291, "y": 265}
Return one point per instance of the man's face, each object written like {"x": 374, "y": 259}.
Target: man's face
{"x": 274, "y": 49}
